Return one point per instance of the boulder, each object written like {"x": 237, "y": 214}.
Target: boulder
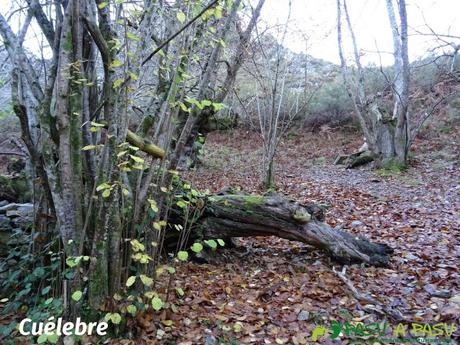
{"x": 5, "y": 222}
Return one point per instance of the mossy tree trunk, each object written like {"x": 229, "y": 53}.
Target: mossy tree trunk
{"x": 240, "y": 215}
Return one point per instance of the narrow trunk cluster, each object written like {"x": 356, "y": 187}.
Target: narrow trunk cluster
{"x": 387, "y": 131}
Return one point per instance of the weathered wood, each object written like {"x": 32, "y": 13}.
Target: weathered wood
{"x": 356, "y": 159}
{"x": 240, "y": 215}
{"x": 144, "y": 145}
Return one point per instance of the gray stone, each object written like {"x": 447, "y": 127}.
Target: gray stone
{"x": 22, "y": 216}
{"x": 410, "y": 256}
{"x": 210, "y": 340}
{"x": 12, "y": 262}
{"x": 8, "y": 207}
{"x": 4, "y": 223}
{"x": 18, "y": 210}
{"x": 443, "y": 293}
{"x": 3, "y": 203}
{"x": 356, "y": 223}
{"x": 69, "y": 340}
{"x": 303, "y": 315}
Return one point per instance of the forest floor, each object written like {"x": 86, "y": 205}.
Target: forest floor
{"x": 272, "y": 291}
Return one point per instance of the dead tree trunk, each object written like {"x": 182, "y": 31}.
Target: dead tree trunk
{"x": 240, "y": 215}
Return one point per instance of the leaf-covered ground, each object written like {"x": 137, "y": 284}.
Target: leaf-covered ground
{"x": 272, "y": 291}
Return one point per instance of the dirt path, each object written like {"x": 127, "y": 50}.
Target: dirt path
{"x": 272, "y": 284}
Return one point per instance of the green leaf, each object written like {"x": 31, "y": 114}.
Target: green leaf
{"x": 218, "y": 12}
{"x": 146, "y": 280}
{"x": 171, "y": 270}
{"x": 182, "y": 255}
{"x": 88, "y": 147}
{"x": 221, "y": 242}
{"x": 133, "y": 76}
{"x": 218, "y": 106}
{"x": 116, "y": 318}
{"x": 76, "y": 296}
{"x": 116, "y": 63}
{"x": 197, "y": 247}
{"x": 106, "y": 193}
{"x": 137, "y": 246}
{"x": 71, "y": 262}
{"x": 130, "y": 281}
{"x": 132, "y": 36}
{"x": 237, "y": 327}
{"x": 131, "y": 309}
{"x": 206, "y": 103}
{"x": 137, "y": 159}
{"x": 181, "y": 204}
{"x": 180, "y": 292}
{"x": 183, "y": 107}
{"x": 103, "y": 185}
{"x": 118, "y": 82}
{"x": 157, "y": 303}
{"x": 153, "y": 205}
{"x": 42, "y": 338}
{"x": 102, "y": 5}
{"x": 45, "y": 290}
{"x": 95, "y": 124}
{"x": 53, "y": 338}
{"x": 211, "y": 243}
{"x": 181, "y": 17}
{"x": 48, "y": 301}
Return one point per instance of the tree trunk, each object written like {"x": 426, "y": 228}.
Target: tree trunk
{"x": 240, "y": 215}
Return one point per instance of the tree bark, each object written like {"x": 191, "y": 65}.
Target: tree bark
{"x": 387, "y": 134}
{"x": 241, "y": 215}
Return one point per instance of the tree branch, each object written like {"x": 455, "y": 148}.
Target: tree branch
{"x": 170, "y": 38}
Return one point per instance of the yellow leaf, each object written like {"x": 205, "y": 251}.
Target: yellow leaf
{"x": 130, "y": 281}
{"x": 102, "y": 5}
{"x": 115, "y": 63}
{"x": 117, "y": 82}
{"x": 181, "y": 17}
{"x": 153, "y": 205}
{"x": 137, "y": 159}
{"x": 237, "y": 327}
{"x": 167, "y": 322}
{"x": 146, "y": 280}
{"x": 106, "y": 193}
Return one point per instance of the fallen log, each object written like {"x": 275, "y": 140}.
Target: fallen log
{"x": 356, "y": 159}
{"x": 241, "y": 215}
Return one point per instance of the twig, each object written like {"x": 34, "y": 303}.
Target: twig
{"x": 12, "y": 154}
{"x": 372, "y": 304}
{"x": 178, "y": 32}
